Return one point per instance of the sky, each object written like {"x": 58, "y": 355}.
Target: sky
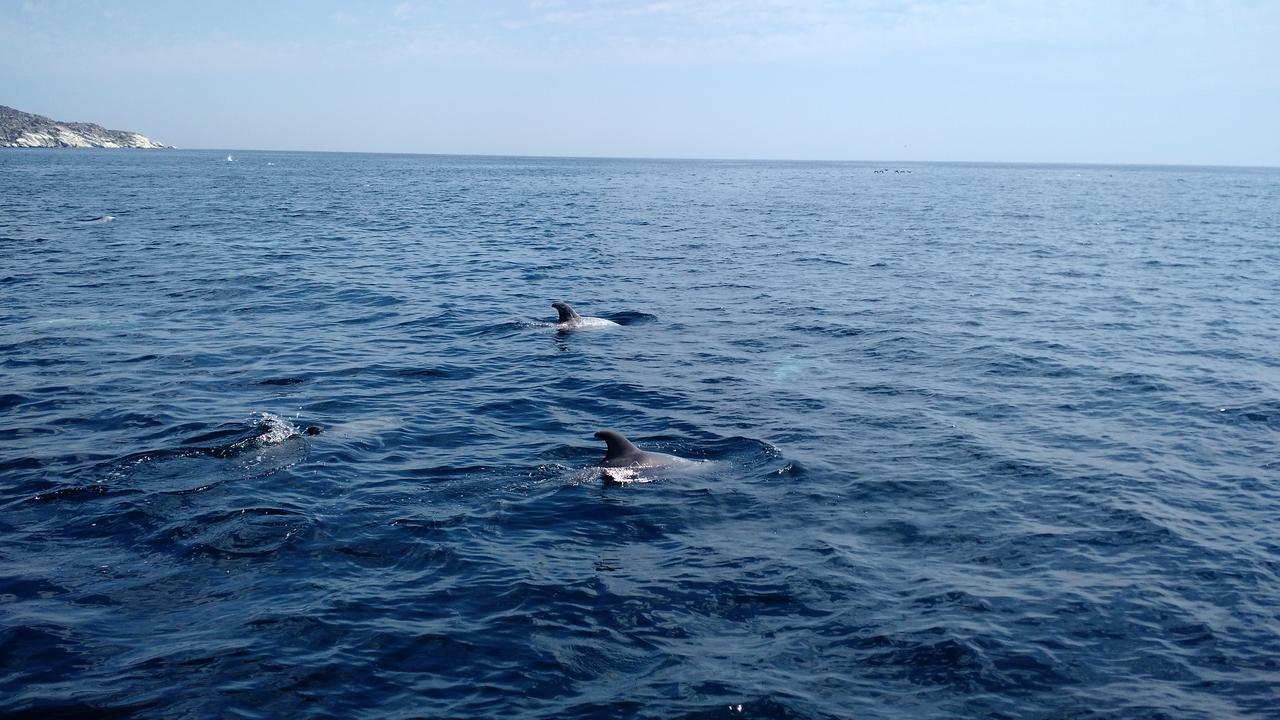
{"x": 1080, "y": 81}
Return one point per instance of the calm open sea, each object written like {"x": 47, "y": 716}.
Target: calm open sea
{"x": 983, "y": 440}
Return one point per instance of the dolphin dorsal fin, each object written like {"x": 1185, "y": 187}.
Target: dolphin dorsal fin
{"x": 618, "y": 446}
{"x": 566, "y": 313}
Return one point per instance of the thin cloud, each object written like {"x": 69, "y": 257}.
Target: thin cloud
{"x": 343, "y": 18}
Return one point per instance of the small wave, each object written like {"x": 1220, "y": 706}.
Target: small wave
{"x": 273, "y": 444}
{"x": 268, "y": 429}
{"x": 426, "y": 372}
{"x": 1140, "y": 382}
{"x": 11, "y": 400}
{"x": 508, "y": 327}
{"x": 282, "y": 381}
{"x": 829, "y": 329}
{"x": 628, "y": 317}
{"x": 77, "y": 492}
{"x": 246, "y": 532}
{"x": 1266, "y": 413}
{"x": 793, "y": 469}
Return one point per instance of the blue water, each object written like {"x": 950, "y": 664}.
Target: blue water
{"x": 981, "y": 440}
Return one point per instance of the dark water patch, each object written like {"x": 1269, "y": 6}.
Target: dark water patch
{"x": 361, "y": 296}
{"x": 447, "y": 471}
{"x": 74, "y": 494}
{"x": 1264, "y": 413}
{"x": 25, "y": 433}
{"x": 225, "y": 436}
{"x": 20, "y": 463}
{"x": 426, "y": 321}
{"x": 18, "y": 588}
{"x": 248, "y": 532}
{"x": 827, "y": 329}
{"x": 60, "y": 710}
{"x": 791, "y": 469}
{"x": 630, "y": 317}
{"x": 1138, "y": 382}
{"x": 35, "y": 654}
{"x": 1029, "y": 366}
{"x": 282, "y": 381}
{"x": 724, "y": 703}
{"x": 40, "y": 344}
{"x": 369, "y": 319}
{"x": 435, "y": 372}
{"x": 616, "y": 391}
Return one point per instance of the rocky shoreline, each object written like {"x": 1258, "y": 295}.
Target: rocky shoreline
{"x": 26, "y": 130}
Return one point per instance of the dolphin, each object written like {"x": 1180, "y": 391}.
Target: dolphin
{"x": 571, "y": 320}
{"x": 98, "y": 220}
{"x": 622, "y": 454}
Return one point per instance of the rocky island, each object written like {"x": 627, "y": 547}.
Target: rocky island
{"x": 25, "y": 130}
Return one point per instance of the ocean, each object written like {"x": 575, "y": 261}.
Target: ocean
{"x": 973, "y": 440}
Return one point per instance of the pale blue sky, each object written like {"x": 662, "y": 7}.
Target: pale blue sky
{"x": 1141, "y": 81}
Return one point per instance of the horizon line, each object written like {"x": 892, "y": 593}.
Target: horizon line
{"x": 655, "y": 158}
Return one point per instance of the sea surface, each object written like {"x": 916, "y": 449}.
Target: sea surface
{"x": 988, "y": 441}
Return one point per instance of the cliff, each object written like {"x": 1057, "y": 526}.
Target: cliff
{"x": 19, "y": 129}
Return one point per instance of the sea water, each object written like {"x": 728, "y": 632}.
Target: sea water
{"x": 981, "y": 440}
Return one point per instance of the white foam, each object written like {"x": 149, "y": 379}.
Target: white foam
{"x": 277, "y": 430}
{"x": 625, "y": 476}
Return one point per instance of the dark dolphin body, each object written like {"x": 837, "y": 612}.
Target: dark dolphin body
{"x": 621, "y": 453}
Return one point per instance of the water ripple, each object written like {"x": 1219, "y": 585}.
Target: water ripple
{"x": 979, "y": 440}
